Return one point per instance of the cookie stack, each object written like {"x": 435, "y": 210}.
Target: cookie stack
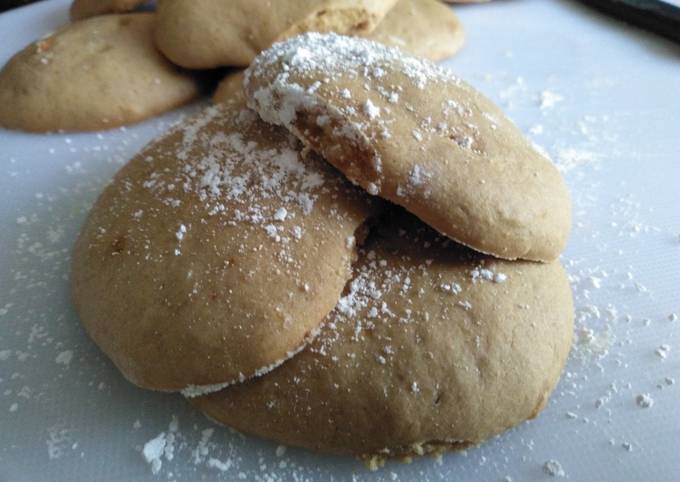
{"x": 256, "y": 257}
{"x": 351, "y": 251}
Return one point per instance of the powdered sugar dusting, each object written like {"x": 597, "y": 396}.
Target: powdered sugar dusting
{"x": 238, "y": 170}
{"x": 332, "y": 57}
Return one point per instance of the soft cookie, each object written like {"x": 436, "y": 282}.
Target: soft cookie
{"x": 431, "y": 347}
{"x": 215, "y": 253}
{"x": 203, "y": 34}
{"x": 411, "y": 132}
{"x": 81, "y": 9}
{"x": 95, "y": 74}
{"x": 425, "y": 28}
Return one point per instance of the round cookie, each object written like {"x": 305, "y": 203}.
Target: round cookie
{"x": 413, "y": 133}
{"x": 424, "y": 28}
{"x": 200, "y": 34}
{"x": 215, "y": 253}
{"x": 81, "y": 9}
{"x": 98, "y": 73}
{"x": 431, "y": 347}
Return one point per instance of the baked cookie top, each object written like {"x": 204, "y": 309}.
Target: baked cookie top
{"x": 98, "y": 73}
{"x": 432, "y": 346}
{"x": 201, "y": 34}
{"x": 215, "y": 253}
{"x": 412, "y": 132}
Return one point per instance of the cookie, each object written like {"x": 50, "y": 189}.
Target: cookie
{"x": 424, "y": 28}
{"x": 200, "y": 34}
{"x": 98, "y": 73}
{"x": 81, "y": 9}
{"x": 413, "y": 133}
{"x": 432, "y": 347}
{"x": 229, "y": 87}
{"x": 215, "y": 253}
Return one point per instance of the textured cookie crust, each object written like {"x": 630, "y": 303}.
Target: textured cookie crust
{"x": 203, "y": 34}
{"x": 81, "y": 9}
{"x": 424, "y": 28}
{"x": 215, "y": 252}
{"x": 411, "y": 132}
{"x": 95, "y": 74}
{"x": 432, "y": 347}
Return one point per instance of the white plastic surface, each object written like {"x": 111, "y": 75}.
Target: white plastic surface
{"x": 610, "y": 118}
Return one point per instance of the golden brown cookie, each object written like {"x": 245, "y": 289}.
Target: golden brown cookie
{"x": 424, "y": 28}
{"x": 95, "y": 74}
{"x": 202, "y": 34}
{"x": 411, "y": 132}
{"x": 215, "y": 253}
{"x": 432, "y": 347}
{"x": 81, "y": 9}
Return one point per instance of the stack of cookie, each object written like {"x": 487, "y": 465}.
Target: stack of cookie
{"x": 351, "y": 251}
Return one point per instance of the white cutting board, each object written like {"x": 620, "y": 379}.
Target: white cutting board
{"x": 610, "y": 118}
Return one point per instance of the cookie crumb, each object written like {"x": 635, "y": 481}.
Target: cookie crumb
{"x": 549, "y": 99}
{"x": 64, "y": 358}
{"x": 644, "y": 400}
{"x": 153, "y": 451}
{"x": 554, "y": 469}
{"x": 662, "y": 351}
{"x": 218, "y": 464}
